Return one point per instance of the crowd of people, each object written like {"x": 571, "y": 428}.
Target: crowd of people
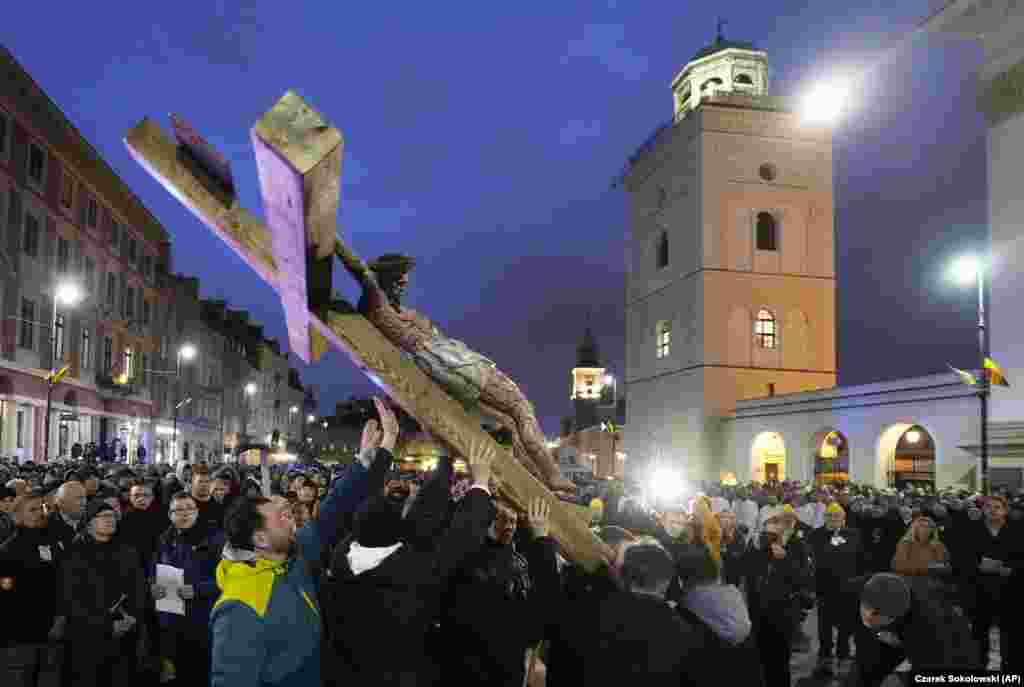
{"x": 233, "y": 575}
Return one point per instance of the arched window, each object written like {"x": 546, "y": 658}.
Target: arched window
{"x": 714, "y": 81}
{"x": 765, "y": 329}
{"x": 767, "y": 232}
{"x": 663, "y": 338}
{"x": 744, "y": 79}
{"x": 662, "y": 250}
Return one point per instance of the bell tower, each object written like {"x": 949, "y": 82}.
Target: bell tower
{"x": 587, "y": 382}
{"x": 730, "y": 287}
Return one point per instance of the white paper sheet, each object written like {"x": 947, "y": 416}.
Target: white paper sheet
{"x": 171, "y": 579}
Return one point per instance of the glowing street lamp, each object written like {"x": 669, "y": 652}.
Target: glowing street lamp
{"x": 825, "y": 103}
{"x": 67, "y": 294}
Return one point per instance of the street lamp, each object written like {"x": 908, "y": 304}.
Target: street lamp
{"x": 186, "y": 352}
{"x": 968, "y": 269}
{"x": 68, "y": 294}
{"x": 250, "y": 390}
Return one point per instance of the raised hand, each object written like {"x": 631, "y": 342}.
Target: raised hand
{"x": 480, "y": 460}
{"x": 538, "y": 514}
{"x": 389, "y": 424}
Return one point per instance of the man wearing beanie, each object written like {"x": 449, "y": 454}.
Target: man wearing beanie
{"x": 901, "y": 620}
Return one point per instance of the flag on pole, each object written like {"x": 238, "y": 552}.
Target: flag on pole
{"x": 56, "y": 375}
{"x": 995, "y": 375}
{"x": 966, "y": 377}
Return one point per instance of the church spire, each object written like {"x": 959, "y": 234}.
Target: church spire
{"x": 586, "y": 352}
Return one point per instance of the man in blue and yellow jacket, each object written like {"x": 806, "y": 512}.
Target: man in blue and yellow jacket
{"x": 266, "y": 624}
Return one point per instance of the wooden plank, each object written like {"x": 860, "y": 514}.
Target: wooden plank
{"x": 237, "y": 227}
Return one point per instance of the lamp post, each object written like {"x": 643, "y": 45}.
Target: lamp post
{"x": 68, "y": 294}
{"x": 250, "y": 390}
{"x": 968, "y": 269}
{"x": 186, "y": 352}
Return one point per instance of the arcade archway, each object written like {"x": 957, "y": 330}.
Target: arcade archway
{"x": 768, "y": 457}
{"x": 831, "y": 454}
{"x": 906, "y": 456}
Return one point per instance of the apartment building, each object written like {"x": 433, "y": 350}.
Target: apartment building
{"x": 86, "y": 281}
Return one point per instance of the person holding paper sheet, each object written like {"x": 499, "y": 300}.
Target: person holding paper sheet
{"x": 195, "y": 549}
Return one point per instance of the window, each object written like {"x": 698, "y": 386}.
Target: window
{"x": 67, "y": 190}
{"x": 92, "y": 211}
{"x": 36, "y": 164}
{"x": 663, "y": 338}
{"x": 111, "y": 290}
{"x": 133, "y": 251}
{"x": 108, "y": 354}
{"x": 764, "y": 329}
{"x": 744, "y": 79}
{"x": 143, "y": 362}
{"x": 129, "y": 303}
{"x": 145, "y": 311}
{"x": 129, "y": 366}
{"x": 767, "y": 171}
{"x": 21, "y": 429}
{"x": 31, "y": 243}
{"x": 767, "y": 238}
{"x": 28, "y": 323}
{"x": 711, "y": 83}
{"x": 63, "y": 255}
{"x": 662, "y": 250}
{"x": 771, "y": 388}
{"x": 146, "y": 265}
{"x": 90, "y": 274}
{"x": 115, "y": 235}
{"x": 58, "y": 339}
{"x": 86, "y": 349}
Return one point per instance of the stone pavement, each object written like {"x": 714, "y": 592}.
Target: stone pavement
{"x": 804, "y": 662}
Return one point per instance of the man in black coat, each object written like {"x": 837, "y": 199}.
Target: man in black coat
{"x": 837, "y": 555}
{"x": 628, "y": 634}
{"x": 498, "y": 602}
{"x": 385, "y": 588}
{"x": 901, "y": 620}
{"x": 779, "y": 578}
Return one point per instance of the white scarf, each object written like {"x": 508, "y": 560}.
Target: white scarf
{"x": 363, "y": 558}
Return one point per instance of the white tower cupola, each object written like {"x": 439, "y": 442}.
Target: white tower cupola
{"x": 722, "y": 67}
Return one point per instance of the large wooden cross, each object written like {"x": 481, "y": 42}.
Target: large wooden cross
{"x": 299, "y": 159}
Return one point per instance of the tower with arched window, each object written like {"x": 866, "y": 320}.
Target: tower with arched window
{"x": 731, "y": 280}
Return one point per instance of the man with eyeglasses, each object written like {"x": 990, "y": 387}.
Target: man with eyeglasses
{"x": 188, "y": 546}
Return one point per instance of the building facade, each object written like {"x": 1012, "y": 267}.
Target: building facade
{"x": 72, "y": 234}
{"x": 730, "y": 275}
{"x": 68, "y": 221}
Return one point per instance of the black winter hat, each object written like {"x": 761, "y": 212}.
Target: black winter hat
{"x": 888, "y": 594}
{"x": 95, "y": 507}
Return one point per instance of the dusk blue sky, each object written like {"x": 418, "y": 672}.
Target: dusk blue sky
{"x": 482, "y": 138}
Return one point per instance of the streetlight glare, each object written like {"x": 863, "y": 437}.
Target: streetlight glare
{"x": 825, "y": 103}
{"x": 68, "y": 294}
{"x": 187, "y": 351}
{"x": 311, "y": 418}
{"x": 250, "y": 388}
{"x": 293, "y": 409}
{"x": 667, "y": 485}
{"x": 966, "y": 269}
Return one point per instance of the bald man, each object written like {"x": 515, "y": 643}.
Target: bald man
{"x": 70, "y": 504}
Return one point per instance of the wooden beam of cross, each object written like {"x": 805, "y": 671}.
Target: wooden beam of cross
{"x": 299, "y": 159}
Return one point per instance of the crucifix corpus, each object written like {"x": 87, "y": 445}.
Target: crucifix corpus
{"x": 439, "y": 381}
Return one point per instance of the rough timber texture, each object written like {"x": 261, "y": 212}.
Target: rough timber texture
{"x": 377, "y": 357}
